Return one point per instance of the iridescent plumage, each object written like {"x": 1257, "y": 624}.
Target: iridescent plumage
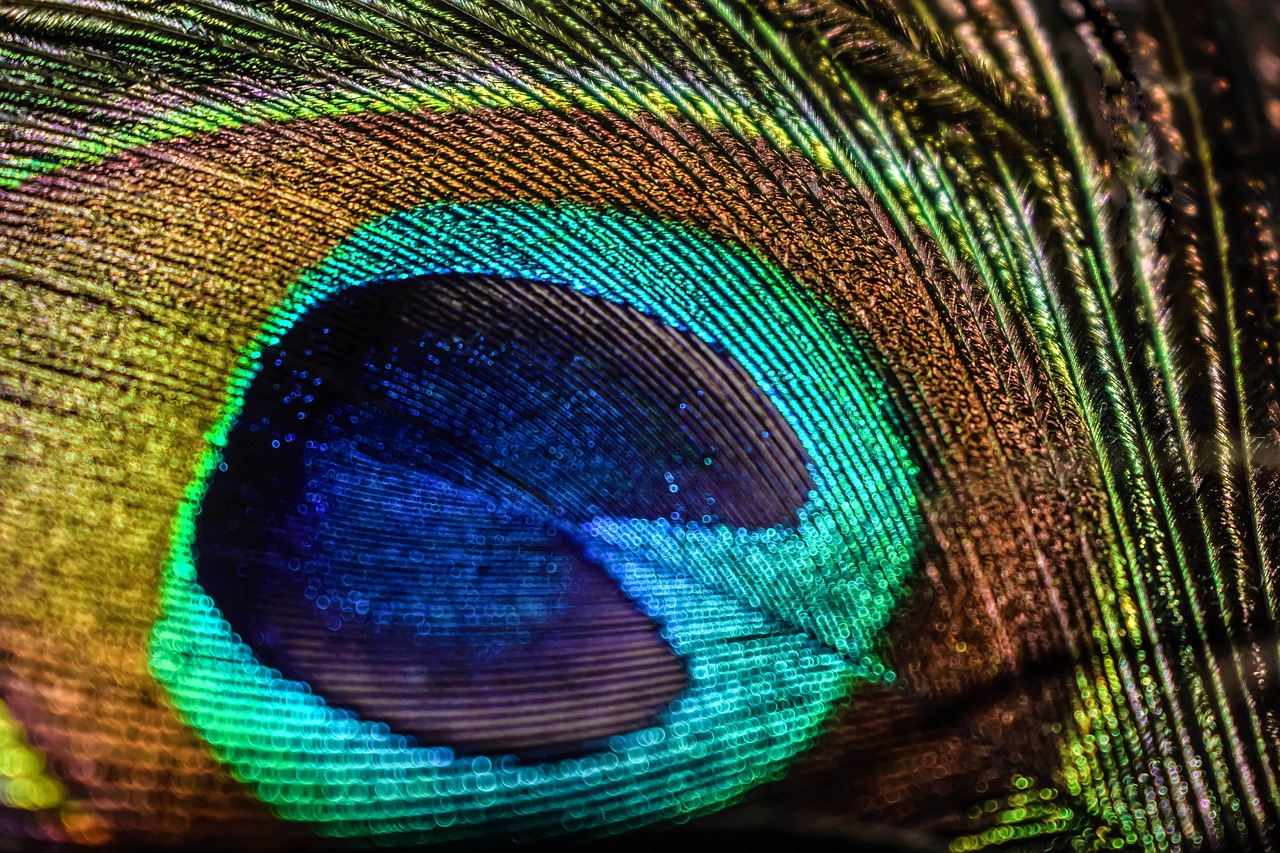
{"x": 923, "y": 410}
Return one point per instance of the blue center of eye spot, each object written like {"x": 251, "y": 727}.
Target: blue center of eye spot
{"x": 538, "y": 516}
{"x": 417, "y": 475}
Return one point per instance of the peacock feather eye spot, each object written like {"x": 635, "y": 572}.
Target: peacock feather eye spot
{"x": 479, "y": 469}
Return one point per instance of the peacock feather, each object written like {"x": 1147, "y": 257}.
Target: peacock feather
{"x": 487, "y": 420}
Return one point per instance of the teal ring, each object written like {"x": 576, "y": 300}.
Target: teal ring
{"x": 776, "y": 625}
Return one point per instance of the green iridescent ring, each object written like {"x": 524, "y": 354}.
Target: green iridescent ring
{"x": 775, "y": 625}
